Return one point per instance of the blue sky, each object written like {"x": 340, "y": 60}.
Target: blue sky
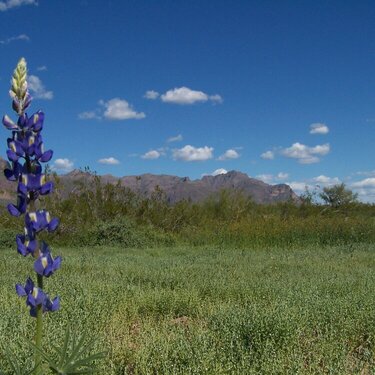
{"x": 281, "y": 90}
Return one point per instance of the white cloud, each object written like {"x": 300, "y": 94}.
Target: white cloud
{"x": 229, "y": 154}
{"x": 120, "y": 109}
{"x": 152, "y": 154}
{"x": 177, "y": 138}
{"x": 366, "y": 183}
{"x": 305, "y": 154}
{"x": 184, "y": 95}
{"x": 109, "y": 161}
{"x": 268, "y": 155}
{"x": 319, "y": 128}
{"x": 216, "y": 98}
{"x": 326, "y": 181}
{"x": 63, "y": 165}
{"x": 191, "y": 153}
{"x": 151, "y": 94}
{"x": 89, "y": 115}
{"x": 37, "y": 89}
{"x": 299, "y": 186}
{"x": 282, "y": 176}
{"x": 365, "y": 189}
{"x": 216, "y": 172}
{"x": 15, "y": 38}
{"x": 273, "y": 179}
{"x": 9, "y": 4}
{"x": 41, "y": 68}
{"x": 267, "y": 178}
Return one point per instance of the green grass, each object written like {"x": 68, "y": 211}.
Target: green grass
{"x": 208, "y": 310}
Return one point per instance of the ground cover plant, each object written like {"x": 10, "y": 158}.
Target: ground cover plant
{"x": 210, "y": 310}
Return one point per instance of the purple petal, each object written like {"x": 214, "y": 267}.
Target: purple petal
{"x": 41, "y": 296}
{"x": 20, "y": 290}
{"x": 13, "y": 210}
{"x": 37, "y": 121}
{"x": 9, "y": 175}
{"x": 47, "y": 156}
{"x": 57, "y": 263}
{"x": 55, "y": 304}
{"x": 31, "y": 301}
{"x": 46, "y": 188}
{"x": 12, "y": 155}
{"x": 22, "y": 188}
{"x": 8, "y": 123}
{"x": 21, "y": 248}
{"x": 32, "y": 246}
{"x": 38, "y": 266}
{"x": 33, "y": 311}
{"x": 29, "y": 286}
{"x": 16, "y": 105}
{"x": 54, "y": 223}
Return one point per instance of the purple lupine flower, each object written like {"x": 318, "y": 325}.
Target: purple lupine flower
{"x": 40, "y": 220}
{"x": 36, "y": 297}
{"x": 20, "y": 207}
{"x": 26, "y": 152}
{"x": 34, "y": 182}
{"x": 13, "y": 171}
{"x": 26, "y": 245}
{"x": 46, "y": 265}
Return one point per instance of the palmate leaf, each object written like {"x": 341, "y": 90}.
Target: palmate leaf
{"x": 73, "y": 357}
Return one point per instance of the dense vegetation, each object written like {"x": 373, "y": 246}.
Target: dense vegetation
{"x": 98, "y": 214}
{"x": 205, "y": 310}
{"x": 223, "y": 286}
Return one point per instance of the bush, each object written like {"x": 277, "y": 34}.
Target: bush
{"x": 125, "y": 233}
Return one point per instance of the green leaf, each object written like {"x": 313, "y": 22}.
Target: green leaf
{"x": 73, "y": 357}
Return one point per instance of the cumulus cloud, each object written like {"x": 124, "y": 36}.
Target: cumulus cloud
{"x": 152, "y": 154}
{"x": 299, "y": 186}
{"x": 109, "y": 161}
{"x": 365, "y": 189}
{"x": 184, "y": 95}
{"x": 62, "y": 165}
{"x": 366, "y": 183}
{"x": 37, "y": 88}
{"x": 313, "y": 183}
{"x": 326, "y": 181}
{"x": 15, "y": 38}
{"x": 273, "y": 179}
{"x": 191, "y": 153}
{"x": 305, "y": 154}
{"x": 151, "y": 94}
{"x": 319, "y": 128}
{"x": 41, "y": 68}
{"x": 177, "y": 138}
{"x": 120, "y": 109}
{"x": 229, "y": 154}
{"x": 268, "y": 155}
{"x": 9, "y": 4}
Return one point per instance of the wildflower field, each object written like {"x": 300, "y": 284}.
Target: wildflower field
{"x": 207, "y": 309}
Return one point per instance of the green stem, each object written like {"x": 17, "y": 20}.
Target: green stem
{"x": 39, "y": 308}
{"x": 39, "y": 331}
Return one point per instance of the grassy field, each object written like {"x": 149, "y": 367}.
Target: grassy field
{"x": 207, "y": 310}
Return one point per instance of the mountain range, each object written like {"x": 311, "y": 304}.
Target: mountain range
{"x": 175, "y": 188}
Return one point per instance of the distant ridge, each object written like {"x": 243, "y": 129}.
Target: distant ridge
{"x": 176, "y": 188}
